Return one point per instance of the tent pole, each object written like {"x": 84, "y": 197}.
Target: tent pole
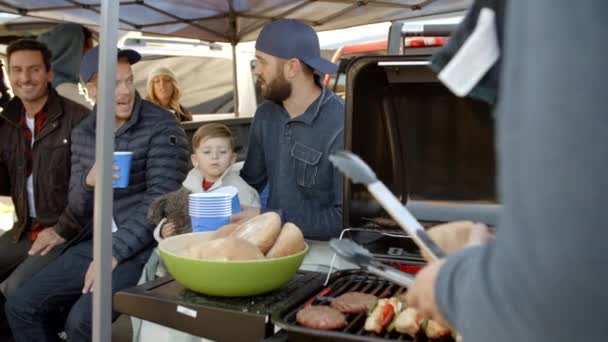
{"x": 104, "y": 146}
{"x": 235, "y": 81}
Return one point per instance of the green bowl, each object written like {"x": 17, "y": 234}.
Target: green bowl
{"x": 225, "y": 278}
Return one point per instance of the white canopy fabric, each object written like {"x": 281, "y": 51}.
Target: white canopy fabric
{"x": 232, "y": 20}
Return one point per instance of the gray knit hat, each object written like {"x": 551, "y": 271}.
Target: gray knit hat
{"x": 160, "y": 70}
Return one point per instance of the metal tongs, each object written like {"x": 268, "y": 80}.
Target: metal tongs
{"x": 359, "y": 172}
{"x": 355, "y": 253}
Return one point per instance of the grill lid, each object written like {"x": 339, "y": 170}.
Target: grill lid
{"x": 431, "y": 148}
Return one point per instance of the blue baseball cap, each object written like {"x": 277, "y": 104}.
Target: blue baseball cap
{"x": 289, "y": 38}
{"x": 90, "y": 61}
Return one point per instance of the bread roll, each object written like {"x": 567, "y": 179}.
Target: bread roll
{"x": 193, "y": 251}
{"x": 189, "y": 247}
{"x": 261, "y": 230}
{"x": 451, "y": 237}
{"x": 290, "y": 241}
{"x": 226, "y": 249}
{"x": 225, "y": 230}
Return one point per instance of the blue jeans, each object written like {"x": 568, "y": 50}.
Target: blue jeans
{"x": 33, "y": 308}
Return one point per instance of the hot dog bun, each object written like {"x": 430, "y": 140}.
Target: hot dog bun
{"x": 224, "y": 231}
{"x": 261, "y": 230}
{"x": 226, "y": 249}
{"x": 290, "y": 241}
{"x": 451, "y": 237}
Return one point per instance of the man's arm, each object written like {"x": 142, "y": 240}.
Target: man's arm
{"x": 79, "y": 208}
{"x": 254, "y": 169}
{"x": 166, "y": 167}
{"x": 5, "y": 184}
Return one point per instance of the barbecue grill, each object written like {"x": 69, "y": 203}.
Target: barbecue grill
{"x": 342, "y": 282}
{"x": 433, "y": 150}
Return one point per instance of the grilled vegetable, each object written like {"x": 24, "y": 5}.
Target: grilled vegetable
{"x": 435, "y": 330}
{"x": 387, "y": 315}
{"x": 382, "y": 314}
{"x": 372, "y": 308}
{"x": 408, "y": 322}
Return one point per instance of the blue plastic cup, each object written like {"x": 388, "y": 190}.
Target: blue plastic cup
{"x": 122, "y": 159}
{"x": 236, "y": 204}
{"x": 206, "y": 224}
{"x": 210, "y": 213}
{"x": 233, "y": 192}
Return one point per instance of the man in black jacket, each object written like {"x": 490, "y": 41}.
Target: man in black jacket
{"x": 4, "y": 94}
{"x": 35, "y": 128}
{"x": 159, "y": 165}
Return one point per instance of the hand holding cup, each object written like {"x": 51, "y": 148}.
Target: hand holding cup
{"x": 92, "y": 175}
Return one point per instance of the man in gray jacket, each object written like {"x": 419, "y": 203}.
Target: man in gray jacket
{"x": 159, "y": 165}
{"x": 542, "y": 278}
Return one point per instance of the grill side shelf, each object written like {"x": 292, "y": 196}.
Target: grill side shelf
{"x": 166, "y": 302}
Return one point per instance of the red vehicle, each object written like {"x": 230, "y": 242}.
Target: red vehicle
{"x": 346, "y": 53}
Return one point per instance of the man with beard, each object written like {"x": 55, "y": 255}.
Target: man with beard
{"x": 35, "y": 128}
{"x": 295, "y": 131}
{"x": 159, "y": 165}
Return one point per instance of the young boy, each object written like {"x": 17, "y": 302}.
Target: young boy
{"x": 213, "y": 158}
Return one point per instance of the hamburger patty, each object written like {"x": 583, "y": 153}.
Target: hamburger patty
{"x": 321, "y": 317}
{"x": 354, "y": 302}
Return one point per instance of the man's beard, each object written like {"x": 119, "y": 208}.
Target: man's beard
{"x": 278, "y": 90}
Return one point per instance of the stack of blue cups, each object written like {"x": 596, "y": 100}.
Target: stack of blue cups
{"x": 234, "y": 194}
{"x": 209, "y": 210}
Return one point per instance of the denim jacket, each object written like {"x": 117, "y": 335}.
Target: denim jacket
{"x": 291, "y": 154}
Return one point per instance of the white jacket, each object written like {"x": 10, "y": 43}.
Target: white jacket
{"x": 247, "y": 195}
{"x": 148, "y": 331}
{"x": 194, "y": 182}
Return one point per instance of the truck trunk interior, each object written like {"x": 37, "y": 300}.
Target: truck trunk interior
{"x": 433, "y": 150}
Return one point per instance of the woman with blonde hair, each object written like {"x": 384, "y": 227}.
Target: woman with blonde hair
{"x": 164, "y": 91}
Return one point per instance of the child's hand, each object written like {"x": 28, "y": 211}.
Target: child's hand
{"x": 168, "y": 229}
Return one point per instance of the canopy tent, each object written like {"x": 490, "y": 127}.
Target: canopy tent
{"x": 230, "y": 21}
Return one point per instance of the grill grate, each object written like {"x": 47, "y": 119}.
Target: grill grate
{"x": 342, "y": 282}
